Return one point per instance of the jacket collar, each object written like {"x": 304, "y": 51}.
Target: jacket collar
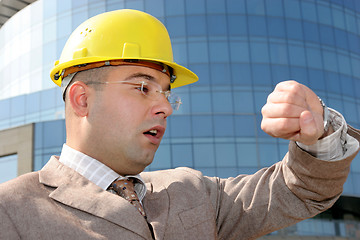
{"x": 75, "y": 191}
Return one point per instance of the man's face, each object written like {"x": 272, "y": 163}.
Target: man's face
{"x": 125, "y": 126}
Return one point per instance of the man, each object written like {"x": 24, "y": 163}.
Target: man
{"x": 116, "y": 72}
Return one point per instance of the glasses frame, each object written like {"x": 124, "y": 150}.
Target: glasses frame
{"x": 167, "y": 93}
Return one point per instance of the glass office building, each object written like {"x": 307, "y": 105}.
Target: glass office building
{"x": 240, "y": 50}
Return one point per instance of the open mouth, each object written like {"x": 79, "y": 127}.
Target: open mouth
{"x": 152, "y": 132}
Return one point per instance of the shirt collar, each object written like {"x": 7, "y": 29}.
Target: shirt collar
{"x": 95, "y": 171}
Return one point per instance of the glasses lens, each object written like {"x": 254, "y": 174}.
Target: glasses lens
{"x": 174, "y": 100}
{"x": 154, "y": 90}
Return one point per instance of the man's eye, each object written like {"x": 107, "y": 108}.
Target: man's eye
{"x": 145, "y": 89}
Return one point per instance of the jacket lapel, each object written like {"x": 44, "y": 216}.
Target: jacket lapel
{"x": 74, "y": 190}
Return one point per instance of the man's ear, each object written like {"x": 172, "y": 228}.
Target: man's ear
{"x": 78, "y": 98}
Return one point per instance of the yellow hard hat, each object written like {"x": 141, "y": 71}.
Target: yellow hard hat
{"x": 120, "y": 37}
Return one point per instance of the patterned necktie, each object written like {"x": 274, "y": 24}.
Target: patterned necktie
{"x": 125, "y": 189}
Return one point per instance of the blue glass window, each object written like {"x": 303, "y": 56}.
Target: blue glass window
{"x": 259, "y": 52}
{"x": 223, "y": 125}
{"x": 202, "y": 126}
{"x": 79, "y": 3}
{"x": 17, "y": 107}
{"x": 280, "y": 73}
{"x": 314, "y": 59}
{"x": 195, "y": 7}
{"x": 344, "y": 64}
{"x": 330, "y": 62}
{"x": 219, "y": 51}
{"x": 220, "y": 73}
{"x": 300, "y": 75}
{"x": 268, "y": 154}
{"x": 63, "y": 6}
{"x": 222, "y": 102}
{"x": 155, "y": 7}
{"x": 4, "y": 108}
{"x": 247, "y": 155}
{"x": 112, "y": 5}
{"x": 311, "y": 32}
{"x": 256, "y": 7}
{"x": 162, "y": 159}
{"x": 309, "y": 11}
{"x": 243, "y": 102}
{"x": 327, "y": 35}
{"x": 201, "y": 102}
{"x": 174, "y": 7}
{"x": 79, "y": 17}
{"x": 53, "y": 133}
{"x": 196, "y": 25}
{"x": 237, "y": 25}
{"x": 355, "y": 63}
{"x": 241, "y": 74}
{"x": 198, "y": 52}
{"x": 354, "y": 43}
{"x": 204, "y": 155}
{"x": 135, "y": 4}
{"x": 276, "y": 27}
{"x": 215, "y": 6}
{"x": 180, "y": 126}
{"x": 324, "y": 14}
{"x": 333, "y": 82}
{"x": 245, "y": 126}
{"x": 351, "y": 23}
{"x": 260, "y": 23}
{"x": 294, "y": 29}
{"x": 202, "y": 71}
{"x": 182, "y": 155}
{"x": 216, "y": 25}
{"x": 38, "y": 135}
{"x": 49, "y": 8}
{"x": 176, "y": 26}
{"x": 338, "y": 18}
{"x": 278, "y": 54}
{"x": 236, "y": 6}
{"x": 350, "y": 113}
{"x": 96, "y": 8}
{"x": 261, "y": 74}
{"x": 32, "y": 103}
{"x": 180, "y": 53}
{"x": 297, "y": 55}
{"x": 340, "y": 38}
{"x": 292, "y": 9}
{"x": 239, "y": 52}
{"x": 63, "y": 26}
{"x": 225, "y": 155}
{"x": 274, "y": 8}
{"x": 336, "y": 104}
{"x": 47, "y": 99}
{"x": 316, "y": 79}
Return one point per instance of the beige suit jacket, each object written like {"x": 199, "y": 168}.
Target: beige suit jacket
{"x": 58, "y": 203}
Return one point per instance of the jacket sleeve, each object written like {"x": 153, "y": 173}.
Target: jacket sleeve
{"x": 297, "y": 188}
{"x": 7, "y": 228}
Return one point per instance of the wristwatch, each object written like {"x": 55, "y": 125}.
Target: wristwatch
{"x": 325, "y": 115}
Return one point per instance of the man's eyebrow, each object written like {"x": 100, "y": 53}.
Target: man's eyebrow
{"x": 145, "y": 76}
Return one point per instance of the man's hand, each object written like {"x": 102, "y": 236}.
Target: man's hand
{"x": 293, "y": 112}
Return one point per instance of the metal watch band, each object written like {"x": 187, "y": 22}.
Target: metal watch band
{"x": 325, "y": 115}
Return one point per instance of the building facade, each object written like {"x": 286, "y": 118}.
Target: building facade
{"x": 240, "y": 50}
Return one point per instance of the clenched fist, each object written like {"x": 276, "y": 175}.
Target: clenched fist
{"x": 293, "y": 111}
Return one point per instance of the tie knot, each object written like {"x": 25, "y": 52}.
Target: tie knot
{"x": 125, "y": 189}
